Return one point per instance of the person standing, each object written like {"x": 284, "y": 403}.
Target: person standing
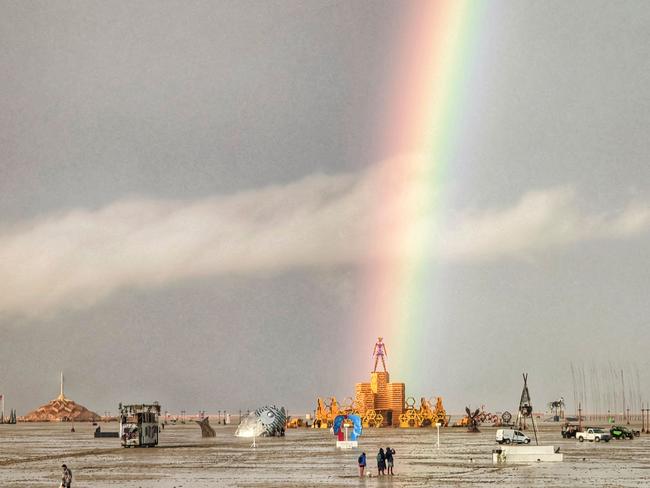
{"x": 381, "y": 462}
{"x": 66, "y": 479}
{"x": 389, "y": 460}
{"x": 362, "y": 464}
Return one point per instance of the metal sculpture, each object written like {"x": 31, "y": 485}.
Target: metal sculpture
{"x": 425, "y": 416}
{"x": 506, "y": 417}
{"x": 268, "y": 421}
{"x": 325, "y": 413}
{"x": 480, "y": 416}
{"x": 350, "y": 405}
{"x": 526, "y": 408}
{"x": 372, "y": 418}
{"x": 433, "y": 415}
{"x": 488, "y": 417}
{"x": 206, "y": 428}
{"x": 378, "y": 353}
{"x": 525, "y": 405}
{"x": 411, "y": 416}
{"x": 557, "y": 408}
{"x": 473, "y": 420}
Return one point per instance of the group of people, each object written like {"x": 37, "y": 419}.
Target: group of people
{"x": 385, "y": 462}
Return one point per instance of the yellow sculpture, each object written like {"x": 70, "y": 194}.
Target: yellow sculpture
{"x": 325, "y": 414}
{"x": 372, "y": 419}
{"x": 424, "y": 416}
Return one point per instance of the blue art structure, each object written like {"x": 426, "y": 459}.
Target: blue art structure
{"x": 347, "y": 429}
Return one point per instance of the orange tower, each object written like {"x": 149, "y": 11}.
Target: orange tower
{"x": 381, "y": 396}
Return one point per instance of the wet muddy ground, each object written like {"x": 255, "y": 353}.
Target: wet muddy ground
{"x": 31, "y": 456}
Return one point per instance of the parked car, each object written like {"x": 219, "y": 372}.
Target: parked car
{"x": 622, "y": 432}
{"x": 595, "y": 434}
{"x": 511, "y": 436}
{"x": 569, "y": 430}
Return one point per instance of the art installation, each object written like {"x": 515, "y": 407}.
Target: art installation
{"x": 347, "y": 429}
{"x": 8, "y": 420}
{"x": 382, "y": 403}
{"x": 378, "y": 352}
{"x": 525, "y": 406}
{"x": 268, "y": 421}
{"x": 62, "y": 409}
{"x": 206, "y": 428}
{"x": 473, "y": 420}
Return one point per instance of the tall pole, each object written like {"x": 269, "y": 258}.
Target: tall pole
{"x": 642, "y": 418}
{"x": 580, "y": 417}
{"x": 623, "y": 384}
{"x": 2, "y": 419}
{"x": 61, "y": 384}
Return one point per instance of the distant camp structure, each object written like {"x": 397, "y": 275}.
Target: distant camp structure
{"x": 61, "y": 409}
{"x": 11, "y": 419}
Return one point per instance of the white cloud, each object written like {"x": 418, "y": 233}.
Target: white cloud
{"x": 76, "y": 259}
{"x": 540, "y": 219}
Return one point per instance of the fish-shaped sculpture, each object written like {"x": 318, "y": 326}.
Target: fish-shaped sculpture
{"x": 266, "y": 421}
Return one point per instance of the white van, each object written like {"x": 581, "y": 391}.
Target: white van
{"x": 511, "y": 436}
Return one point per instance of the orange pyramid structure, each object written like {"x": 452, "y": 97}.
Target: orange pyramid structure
{"x": 61, "y": 409}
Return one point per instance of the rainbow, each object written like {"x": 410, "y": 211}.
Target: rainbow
{"x": 426, "y": 108}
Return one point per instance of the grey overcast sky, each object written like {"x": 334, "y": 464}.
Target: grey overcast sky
{"x": 185, "y": 188}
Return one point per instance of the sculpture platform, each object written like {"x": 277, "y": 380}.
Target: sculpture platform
{"x": 347, "y": 444}
{"x": 525, "y": 454}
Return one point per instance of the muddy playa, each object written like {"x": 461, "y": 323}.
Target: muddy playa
{"x": 31, "y": 456}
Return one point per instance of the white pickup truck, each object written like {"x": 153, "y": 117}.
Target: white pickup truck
{"x": 593, "y": 434}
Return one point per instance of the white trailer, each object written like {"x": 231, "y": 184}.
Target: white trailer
{"x": 139, "y": 425}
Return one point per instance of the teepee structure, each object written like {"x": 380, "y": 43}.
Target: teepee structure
{"x": 526, "y": 409}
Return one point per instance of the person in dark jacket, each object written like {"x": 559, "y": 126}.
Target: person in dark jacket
{"x": 381, "y": 462}
{"x": 362, "y": 464}
{"x": 389, "y": 460}
{"x": 66, "y": 479}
